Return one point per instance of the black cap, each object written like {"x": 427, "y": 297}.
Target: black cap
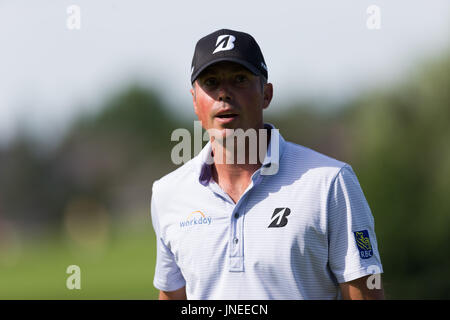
{"x": 228, "y": 45}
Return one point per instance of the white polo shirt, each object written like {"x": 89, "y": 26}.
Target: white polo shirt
{"x": 295, "y": 234}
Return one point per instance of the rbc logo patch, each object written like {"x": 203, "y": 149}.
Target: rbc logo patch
{"x": 363, "y": 244}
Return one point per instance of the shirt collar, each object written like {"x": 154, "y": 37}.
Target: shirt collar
{"x": 270, "y": 164}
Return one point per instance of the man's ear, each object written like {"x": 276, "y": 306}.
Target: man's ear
{"x": 267, "y": 95}
{"x": 194, "y": 100}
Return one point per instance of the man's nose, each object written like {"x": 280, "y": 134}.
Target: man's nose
{"x": 224, "y": 92}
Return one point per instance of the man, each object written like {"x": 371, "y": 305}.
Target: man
{"x": 293, "y": 224}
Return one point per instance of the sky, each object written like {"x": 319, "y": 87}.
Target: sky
{"x": 325, "y": 50}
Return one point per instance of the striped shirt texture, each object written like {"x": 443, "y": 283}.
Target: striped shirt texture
{"x": 295, "y": 234}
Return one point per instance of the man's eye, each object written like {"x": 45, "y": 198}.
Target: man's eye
{"x": 210, "y": 82}
{"x": 241, "y": 78}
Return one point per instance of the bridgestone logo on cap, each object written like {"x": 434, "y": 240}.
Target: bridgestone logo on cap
{"x": 224, "y": 42}
{"x": 228, "y": 45}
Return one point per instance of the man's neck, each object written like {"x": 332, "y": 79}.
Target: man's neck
{"x": 233, "y": 176}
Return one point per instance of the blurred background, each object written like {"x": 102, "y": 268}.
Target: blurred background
{"x": 89, "y": 97}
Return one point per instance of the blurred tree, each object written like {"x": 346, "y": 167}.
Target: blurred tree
{"x": 396, "y": 139}
{"x": 402, "y": 154}
{"x": 27, "y": 185}
{"x": 121, "y": 149}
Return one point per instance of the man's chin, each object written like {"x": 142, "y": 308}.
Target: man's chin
{"x": 220, "y": 133}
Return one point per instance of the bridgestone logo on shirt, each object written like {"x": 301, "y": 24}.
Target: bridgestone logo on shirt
{"x": 279, "y": 217}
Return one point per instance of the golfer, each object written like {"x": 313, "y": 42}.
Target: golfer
{"x": 263, "y": 219}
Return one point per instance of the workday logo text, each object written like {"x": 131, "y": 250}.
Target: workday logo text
{"x": 196, "y": 218}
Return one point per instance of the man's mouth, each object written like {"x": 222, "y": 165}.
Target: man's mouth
{"x": 225, "y": 116}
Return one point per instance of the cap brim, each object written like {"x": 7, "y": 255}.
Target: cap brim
{"x": 244, "y": 63}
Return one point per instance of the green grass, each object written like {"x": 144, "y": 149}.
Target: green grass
{"x": 123, "y": 269}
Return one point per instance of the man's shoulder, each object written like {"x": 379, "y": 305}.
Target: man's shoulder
{"x": 298, "y": 157}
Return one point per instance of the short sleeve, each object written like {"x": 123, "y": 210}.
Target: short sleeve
{"x": 168, "y": 276}
{"x": 353, "y": 251}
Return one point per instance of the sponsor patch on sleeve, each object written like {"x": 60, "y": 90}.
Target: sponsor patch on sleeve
{"x": 363, "y": 243}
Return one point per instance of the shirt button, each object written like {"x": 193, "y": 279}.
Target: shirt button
{"x": 236, "y": 240}
{"x": 236, "y": 215}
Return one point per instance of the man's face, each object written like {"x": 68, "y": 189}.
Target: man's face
{"x": 229, "y": 96}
